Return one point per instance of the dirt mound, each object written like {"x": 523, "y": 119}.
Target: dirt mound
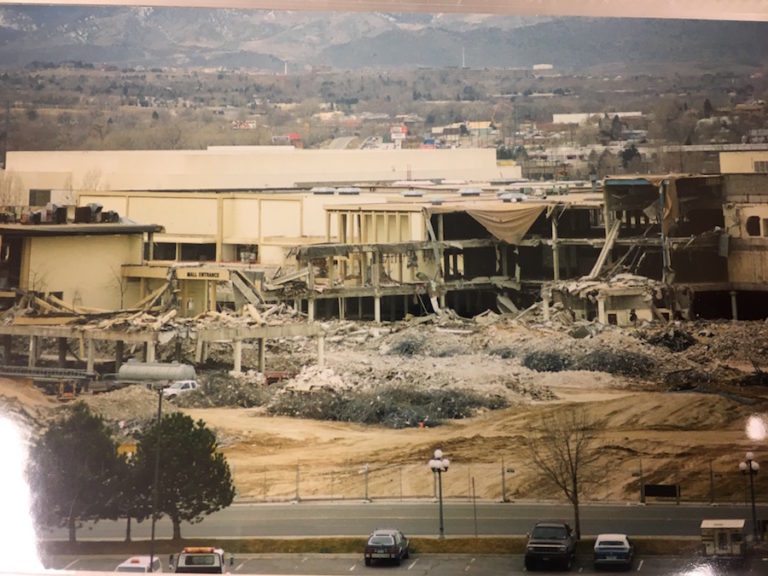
{"x": 665, "y": 404}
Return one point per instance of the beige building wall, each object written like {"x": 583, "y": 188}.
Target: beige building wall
{"x": 242, "y": 220}
{"x": 219, "y": 168}
{"x": 743, "y": 162}
{"x": 61, "y": 263}
{"x": 747, "y": 226}
{"x": 190, "y": 216}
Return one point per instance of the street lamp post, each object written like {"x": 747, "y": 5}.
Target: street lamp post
{"x": 438, "y": 465}
{"x": 749, "y": 466}
{"x": 156, "y": 482}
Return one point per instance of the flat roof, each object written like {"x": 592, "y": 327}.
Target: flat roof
{"x": 89, "y": 229}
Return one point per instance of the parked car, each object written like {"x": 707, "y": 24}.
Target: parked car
{"x": 550, "y": 543}
{"x": 386, "y": 544}
{"x": 179, "y": 387}
{"x": 140, "y": 564}
{"x": 613, "y": 550}
{"x": 201, "y": 560}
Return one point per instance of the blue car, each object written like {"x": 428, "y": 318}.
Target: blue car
{"x": 614, "y": 551}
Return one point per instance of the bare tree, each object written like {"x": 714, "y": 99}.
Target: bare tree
{"x": 562, "y": 448}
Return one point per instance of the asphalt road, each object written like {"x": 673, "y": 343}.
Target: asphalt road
{"x": 420, "y": 565}
{"x": 421, "y": 519}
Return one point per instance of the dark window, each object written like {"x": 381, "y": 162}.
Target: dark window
{"x": 39, "y": 197}
{"x": 198, "y": 252}
{"x": 164, "y": 251}
{"x": 761, "y": 166}
{"x": 753, "y": 226}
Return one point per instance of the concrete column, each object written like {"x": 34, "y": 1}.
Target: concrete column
{"x": 118, "y": 354}
{"x": 555, "y": 250}
{"x": 311, "y": 309}
{"x": 545, "y": 295}
{"x": 504, "y": 260}
{"x": 32, "y": 361}
{"x": 262, "y": 343}
{"x": 199, "y": 350}
{"x": 442, "y": 300}
{"x": 237, "y": 353}
{"x": 321, "y": 350}
{"x": 297, "y": 304}
{"x": 150, "y": 352}
{"x": 377, "y": 309}
{"x": 62, "y": 352}
{"x": 440, "y": 238}
{"x": 211, "y": 294}
{"x": 342, "y": 308}
{"x": 602, "y": 317}
{"x": 219, "y": 228}
{"x": 734, "y": 306}
{"x": 91, "y": 352}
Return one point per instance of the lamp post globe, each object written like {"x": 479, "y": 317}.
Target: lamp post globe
{"x": 750, "y": 467}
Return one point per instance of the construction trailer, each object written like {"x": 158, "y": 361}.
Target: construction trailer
{"x": 723, "y": 540}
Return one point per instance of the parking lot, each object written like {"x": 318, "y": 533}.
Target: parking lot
{"x": 426, "y": 565}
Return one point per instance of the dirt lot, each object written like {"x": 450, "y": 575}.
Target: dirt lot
{"x": 678, "y": 416}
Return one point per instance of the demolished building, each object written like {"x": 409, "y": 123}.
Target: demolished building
{"x": 647, "y": 248}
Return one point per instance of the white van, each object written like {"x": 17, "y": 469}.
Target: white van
{"x": 140, "y": 564}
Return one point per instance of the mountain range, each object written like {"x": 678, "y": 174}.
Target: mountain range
{"x": 272, "y": 40}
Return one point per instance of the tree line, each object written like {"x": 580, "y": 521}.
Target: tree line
{"x": 77, "y": 473}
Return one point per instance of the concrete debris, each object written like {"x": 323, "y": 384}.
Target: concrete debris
{"x": 403, "y": 373}
{"x": 671, "y": 337}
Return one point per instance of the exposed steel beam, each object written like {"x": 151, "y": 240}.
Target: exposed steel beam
{"x": 745, "y": 10}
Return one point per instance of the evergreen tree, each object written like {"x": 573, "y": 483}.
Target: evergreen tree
{"x": 74, "y": 471}
{"x": 194, "y": 479}
{"x": 134, "y": 499}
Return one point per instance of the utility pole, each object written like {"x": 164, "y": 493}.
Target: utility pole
{"x": 6, "y": 134}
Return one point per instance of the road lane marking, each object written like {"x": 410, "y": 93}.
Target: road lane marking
{"x": 239, "y": 566}
{"x": 640, "y": 565}
{"x": 68, "y": 566}
{"x": 413, "y": 564}
{"x": 351, "y": 568}
{"x": 468, "y": 566}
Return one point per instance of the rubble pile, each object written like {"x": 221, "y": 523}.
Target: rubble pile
{"x": 547, "y": 361}
{"x": 612, "y": 361}
{"x": 128, "y": 411}
{"x": 673, "y": 338}
{"x": 429, "y": 367}
{"x": 391, "y": 406}
{"x": 221, "y": 388}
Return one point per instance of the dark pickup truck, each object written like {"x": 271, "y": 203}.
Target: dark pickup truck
{"x": 550, "y": 543}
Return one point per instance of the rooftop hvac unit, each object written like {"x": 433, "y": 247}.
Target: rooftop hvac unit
{"x": 348, "y": 191}
{"x": 322, "y": 190}
{"x": 470, "y": 192}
